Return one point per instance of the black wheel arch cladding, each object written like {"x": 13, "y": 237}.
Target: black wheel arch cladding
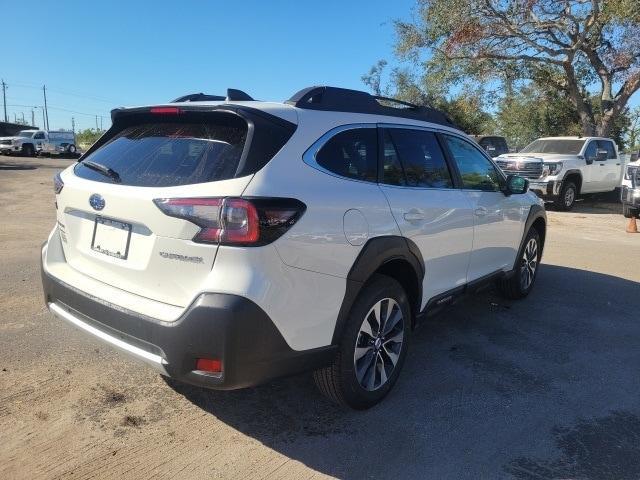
{"x": 375, "y": 254}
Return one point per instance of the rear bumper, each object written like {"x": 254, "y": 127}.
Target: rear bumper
{"x": 548, "y": 190}
{"x": 216, "y": 326}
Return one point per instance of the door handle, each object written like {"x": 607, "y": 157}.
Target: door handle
{"x": 480, "y": 212}
{"x": 413, "y": 216}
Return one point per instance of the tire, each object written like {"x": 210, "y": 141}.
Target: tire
{"x": 28, "y": 150}
{"x": 520, "y": 284}
{"x": 359, "y": 382}
{"x": 567, "y": 197}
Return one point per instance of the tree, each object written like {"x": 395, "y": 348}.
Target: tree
{"x": 633, "y": 131}
{"x": 88, "y": 137}
{"x": 572, "y": 46}
{"x": 467, "y": 109}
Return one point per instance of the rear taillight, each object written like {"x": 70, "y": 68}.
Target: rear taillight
{"x": 58, "y": 184}
{"x": 235, "y": 221}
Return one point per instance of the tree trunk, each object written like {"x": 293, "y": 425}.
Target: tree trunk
{"x": 587, "y": 121}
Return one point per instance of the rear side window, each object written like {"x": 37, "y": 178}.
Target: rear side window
{"x": 494, "y": 146}
{"x": 352, "y": 153}
{"x": 420, "y": 159}
{"x": 171, "y": 154}
{"x": 608, "y": 146}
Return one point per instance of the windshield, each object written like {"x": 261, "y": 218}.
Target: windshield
{"x": 25, "y": 133}
{"x": 566, "y": 147}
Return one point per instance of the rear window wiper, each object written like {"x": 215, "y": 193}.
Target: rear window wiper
{"x": 103, "y": 169}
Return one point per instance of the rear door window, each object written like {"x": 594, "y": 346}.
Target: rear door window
{"x": 608, "y": 146}
{"x": 352, "y": 153}
{"x": 419, "y": 163}
{"x": 171, "y": 154}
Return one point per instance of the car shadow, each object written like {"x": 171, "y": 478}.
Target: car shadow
{"x": 596, "y": 203}
{"x": 538, "y": 388}
{"x": 16, "y": 166}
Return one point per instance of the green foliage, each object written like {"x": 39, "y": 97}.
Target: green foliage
{"x": 586, "y": 52}
{"x": 88, "y": 137}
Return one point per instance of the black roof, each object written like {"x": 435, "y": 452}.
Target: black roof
{"x": 355, "y": 101}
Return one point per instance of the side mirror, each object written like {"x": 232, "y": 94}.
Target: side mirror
{"x": 516, "y": 185}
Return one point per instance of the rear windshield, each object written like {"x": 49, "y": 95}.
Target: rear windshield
{"x": 170, "y": 154}
{"x": 567, "y": 147}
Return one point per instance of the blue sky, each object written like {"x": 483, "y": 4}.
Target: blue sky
{"x": 94, "y": 56}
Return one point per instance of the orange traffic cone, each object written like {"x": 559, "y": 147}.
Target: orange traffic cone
{"x": 633, "y": 225}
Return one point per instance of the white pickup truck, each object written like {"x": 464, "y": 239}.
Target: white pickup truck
{"x": 560, "y": 169}
{"x": 33, "y": 142}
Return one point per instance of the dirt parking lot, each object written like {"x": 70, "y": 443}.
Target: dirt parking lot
{"x": 546, "y": 388}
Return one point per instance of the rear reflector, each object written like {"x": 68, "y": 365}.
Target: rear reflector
{"x": 212, "y": 365}
{"x": 235, "y": 221}
{"x": 166, "y": 110}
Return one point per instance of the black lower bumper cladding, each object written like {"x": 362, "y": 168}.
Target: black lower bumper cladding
{"x": 215, "y": 326}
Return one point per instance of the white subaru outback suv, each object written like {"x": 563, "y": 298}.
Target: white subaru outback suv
{"x": 230, "y": 242}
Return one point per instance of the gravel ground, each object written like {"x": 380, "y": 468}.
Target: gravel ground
{"x": 543, "y": 388}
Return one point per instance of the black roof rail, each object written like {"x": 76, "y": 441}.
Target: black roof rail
{"x": 237, "y": 95}
{"x": 233, "y": 94}
{"x": 198, "y": 97}
{"x": 346, "y": 100}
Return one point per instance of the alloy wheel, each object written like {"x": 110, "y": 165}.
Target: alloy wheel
{"x": 569, "y": 197}
{"x": 379, "y": 344}
{"x": 529, "y": 264}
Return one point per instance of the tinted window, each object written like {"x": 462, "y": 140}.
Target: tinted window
{"x": 560, "y": 146}
{"x": 392, "y": 172}
{"x": 494, "y": 145}
{"x": 39, "y": 136}
{"x": 608, "y": 146}
{"x": 591, "y": 150}
{"x": 352, "y": 153}
{"x": 420, "y": 157}
{"x": 477, "y": 172}
{"x": 169, "y": 154}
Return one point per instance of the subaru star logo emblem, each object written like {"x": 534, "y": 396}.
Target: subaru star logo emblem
{"x": 96, "y": 201}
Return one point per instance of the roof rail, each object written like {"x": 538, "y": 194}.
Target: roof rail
{"x": 198, "y": 97}
{"x": 233, "y": 95}
{"x": 345, "y": 100}
{"x": 237, "y": 95}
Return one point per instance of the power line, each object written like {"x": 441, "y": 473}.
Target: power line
{"x": 67, "y": 92}
{"x": 57, "y": 108}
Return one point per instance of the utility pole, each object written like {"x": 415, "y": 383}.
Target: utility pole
{"x": 4, "y": 99}
{"x": 96, "y": 122}
{"x": 101, "y": 124}
{"x": 46, "y": 111}
{"x": 73, "y": 125}
{"x": 43, "y": 121}
{"x": 33, "y": 118}
{"x": 23, "y": 118}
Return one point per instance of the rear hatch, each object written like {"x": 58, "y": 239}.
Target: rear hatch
{"x": 110, "y": 226}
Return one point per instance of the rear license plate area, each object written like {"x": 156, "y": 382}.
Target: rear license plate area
{"x": 111, "y": 237}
